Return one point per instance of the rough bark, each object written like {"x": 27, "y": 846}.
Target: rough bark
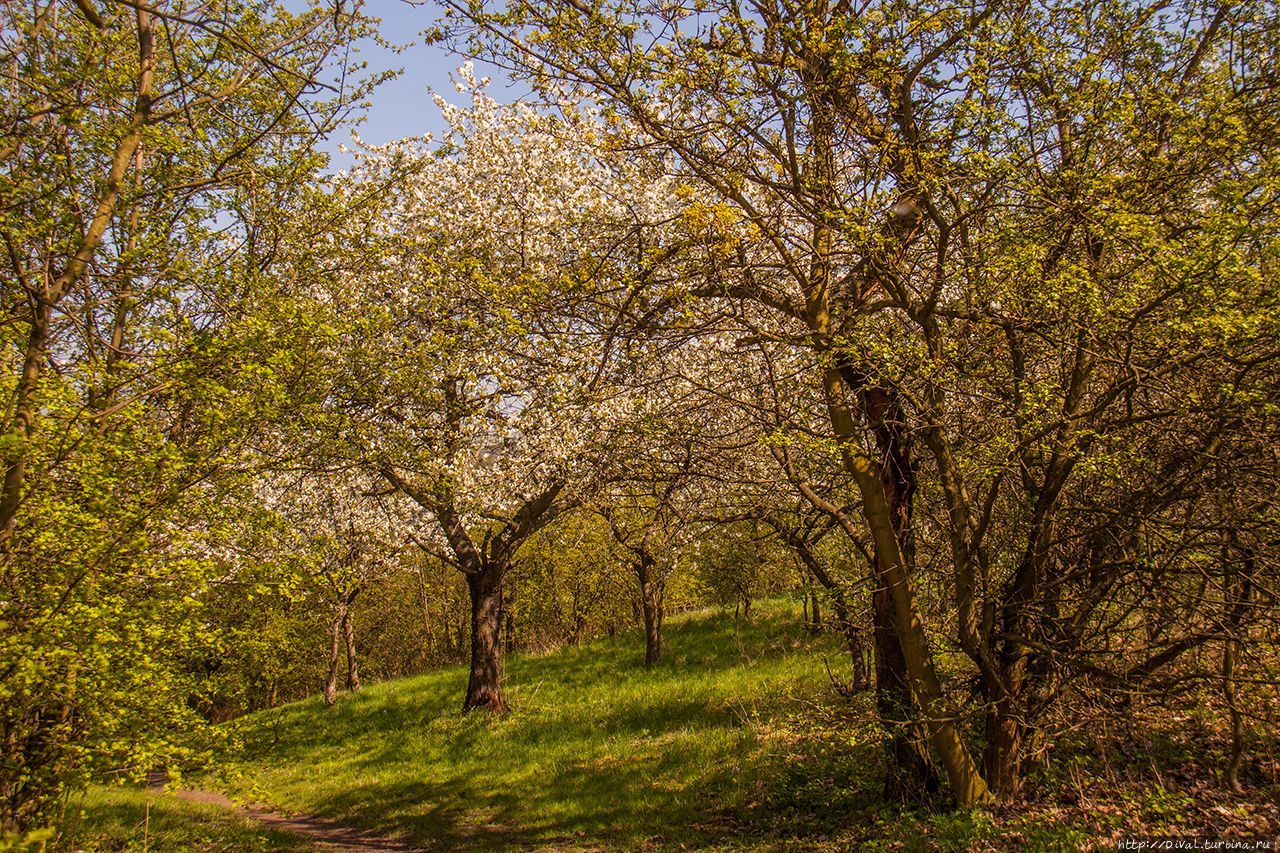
{"x": 484, "y": 687}
{"x": 1237, "y": 589}
{"x": 484, "y": 566}
{"x": 911, "y": 776}
{"x": 349, "y": 635}
{"x": 335, "y": 653}
{"x": 651, "y": 607}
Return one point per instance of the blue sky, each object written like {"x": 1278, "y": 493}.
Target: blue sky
{"x": 402, "y": 107}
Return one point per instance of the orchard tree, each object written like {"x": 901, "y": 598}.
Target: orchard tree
{"x": 737, "y": 562}
{"x": 469, "y": 364}
{"x": 644, "y": 515}
{"x": 981, "y": 224}
{"x": 342, "y": 538}
{"x": 683, "y": 452}
{"x": 147, "y": 153}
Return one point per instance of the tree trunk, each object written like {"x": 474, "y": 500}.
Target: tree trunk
{"x": 335, "y": 652}
{"x": 1236, "y": 593}
{"x": 888, "y": 514}
{"x": 911, "y": 776}
{"x": 24, "y": 417}
{"x": 652, "y": 632}
{"x": 1002, "y": 761}
{"x": 853, "y": 641}
{"x": 1008, "y": 720}
{"x": 484, "y": 689}
{"x": 1231, "y": 773}
{"x": 891, "y": 564}
{"x": 815, "y": 613}
{"x": 349, "y": 634}
{"x": 651, "y": 606}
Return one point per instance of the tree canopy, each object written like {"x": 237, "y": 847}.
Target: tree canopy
{"x": 960, "y": 322}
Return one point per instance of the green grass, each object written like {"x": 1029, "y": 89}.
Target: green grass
{"x": 737, "y": 741}
{"x": 133, "y": 819}
{"x": 597, "y": 750}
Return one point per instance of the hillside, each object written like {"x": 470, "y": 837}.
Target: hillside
{"x": 738, "y": 740}
{"x": 597, "y": 749}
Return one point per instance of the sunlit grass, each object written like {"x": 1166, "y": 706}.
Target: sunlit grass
{"x": 596, "y": 748}
{"x": 111, "y": 818}
{"x": 737, "y": 740}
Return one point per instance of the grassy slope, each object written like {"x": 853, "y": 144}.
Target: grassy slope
{"x": 597, "y": 749}
{"x": 737, "y": 740}
{"x": 119, "y": 819}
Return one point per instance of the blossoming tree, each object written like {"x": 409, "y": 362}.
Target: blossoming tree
{"x": 474, "y": 355}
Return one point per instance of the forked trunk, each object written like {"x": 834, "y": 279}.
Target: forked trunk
{"x": 484, "y": 689}
{"x": 892, "y": 563}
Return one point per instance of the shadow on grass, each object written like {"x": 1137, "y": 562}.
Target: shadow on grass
{"x": 598, "y": 751}
{"x": 128, "y": 819}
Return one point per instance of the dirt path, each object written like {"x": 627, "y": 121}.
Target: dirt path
{"x": 328, "y": 834}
